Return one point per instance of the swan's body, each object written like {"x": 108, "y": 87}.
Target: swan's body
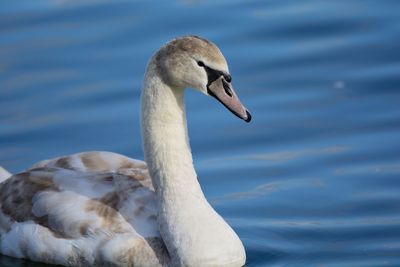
{"x": 104, "y": 209}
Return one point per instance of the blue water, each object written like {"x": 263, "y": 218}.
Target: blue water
{"x": 313, "y": 180}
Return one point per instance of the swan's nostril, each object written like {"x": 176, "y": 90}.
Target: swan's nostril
{"x": 227, "y": 88}
{"x": 228, "y": 91}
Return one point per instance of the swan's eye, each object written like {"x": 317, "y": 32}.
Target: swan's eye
{"x": 228, "y": 78}
{"x": 200, "y": 63}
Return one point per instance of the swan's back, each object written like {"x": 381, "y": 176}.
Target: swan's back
{"x": 84, "y": 209}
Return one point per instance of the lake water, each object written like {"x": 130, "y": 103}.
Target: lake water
{"x": 313, "y": 180}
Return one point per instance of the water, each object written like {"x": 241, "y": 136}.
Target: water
{"x": 312, "y": 181}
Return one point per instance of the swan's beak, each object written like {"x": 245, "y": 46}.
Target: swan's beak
{"x": 224, "y": 93}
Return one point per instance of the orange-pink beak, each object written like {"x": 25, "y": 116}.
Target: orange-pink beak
{"x": 224, "y": 93}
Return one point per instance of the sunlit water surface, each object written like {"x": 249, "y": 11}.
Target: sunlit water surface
{"x": 313, "y": 180}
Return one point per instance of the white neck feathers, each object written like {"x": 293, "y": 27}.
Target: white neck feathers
{"x": 195, "y": 235}
{"x": 164, "y": 134}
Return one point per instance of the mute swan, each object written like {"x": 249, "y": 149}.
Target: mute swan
{"x": 104, "y": 209}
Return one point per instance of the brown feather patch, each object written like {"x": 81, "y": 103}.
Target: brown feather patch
{"x": 107, "y": 209}
{"x": 93, "y": 161}
{"x": 17, "y": 193}
{"x": 63, "y": 163}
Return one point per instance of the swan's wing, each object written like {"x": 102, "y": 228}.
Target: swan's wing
{"x": 100, "y": 162}
{"x": 79, "y": 210}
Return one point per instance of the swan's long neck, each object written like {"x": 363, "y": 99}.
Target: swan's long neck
{"x": 193, "y": 232}
{"x": 165, "y": 139}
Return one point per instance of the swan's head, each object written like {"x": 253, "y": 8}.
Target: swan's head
{"x": 197, "y": 63}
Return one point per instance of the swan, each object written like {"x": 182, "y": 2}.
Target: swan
{"x": 105, "y": 209}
